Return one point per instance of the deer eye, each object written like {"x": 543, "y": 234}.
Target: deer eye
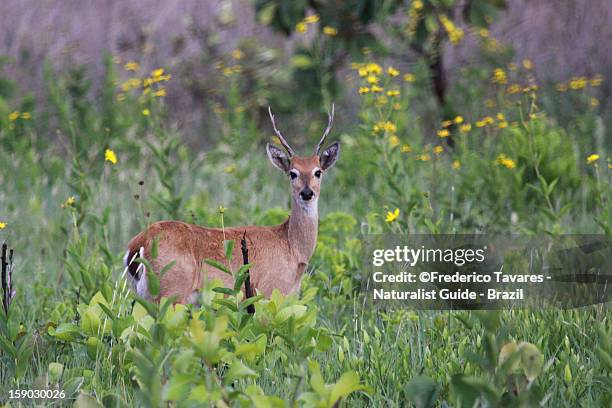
{"x": 317, "y": 174}
{"x": 293, "y": 175}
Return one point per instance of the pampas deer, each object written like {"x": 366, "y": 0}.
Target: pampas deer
{"x": 279, "y": 253}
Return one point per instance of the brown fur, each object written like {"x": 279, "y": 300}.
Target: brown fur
{"x": 279, "y": 253}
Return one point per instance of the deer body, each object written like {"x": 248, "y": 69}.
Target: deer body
{"x": 279, "y": 254}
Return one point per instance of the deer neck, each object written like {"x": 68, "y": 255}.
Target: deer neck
{"x": 302, "y": 229}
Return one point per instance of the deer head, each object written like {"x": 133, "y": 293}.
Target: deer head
{"x": 305, "y": 173}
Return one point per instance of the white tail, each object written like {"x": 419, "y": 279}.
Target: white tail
{"x": 279, "y": 253}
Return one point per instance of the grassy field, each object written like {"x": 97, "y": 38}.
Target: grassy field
{"x": 78, "y": 179}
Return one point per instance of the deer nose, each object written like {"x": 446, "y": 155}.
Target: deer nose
{"x": 306, "y": 194}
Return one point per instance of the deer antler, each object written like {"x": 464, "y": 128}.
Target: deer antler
{"x": 327, "y": 130}
{"x": 279, "y": 134}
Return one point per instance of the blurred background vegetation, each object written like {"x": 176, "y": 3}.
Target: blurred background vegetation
{"x": 455, "y": 116}
{"x": 272, "y": 57}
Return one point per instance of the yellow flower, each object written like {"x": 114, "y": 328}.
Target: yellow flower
{"x": 110, "y": 156}
{"x": 374, "y": 68}
{"x": 492, "y": 45}
{"x": 381, "y": 100}
{"x": 577, "y": 83}
{"x": 488, "y": 120}
{"x": 438, "y": 150}
{"x": 3, "y": 225}
{"x": 456, "y": 165}
{"x": 481, "y": 123}
{"x": 592, "y": 158}
{"x": 423, "y": 157}
{"x": 160, "y": 93}
{"x": 502, "y": 124}
{"x": 364, "y": 90}
{"x": 385, "y": 126}
{"x": 527, "y": 64}
{"x": 455, "y": 34}
{"x": 26, "y": 116}
{"x": 230, "y": 169}
{"x": 70, "y": 201}
{"x": 596, "y": 80}
{"x": 146, "y": 112}
{"x": 443, "y": 133}
{"x": 156, "y": 73}
{"x": 489, "y": 103}
{"x": 409, "y": 77}
{"x": 221, "y": 209}
{"x": 417, "y": 4}
{"x": 331, "y": 31}
{"x": 13, "y": 116}
{"x": 446, "y": 123}
{"x": 362, "y": 72}
{"x": 465, "y": 128}
{"x": 376, "y": 88}
{"x": 505, "y": 161}
{"x": 458, "y": 119}
{"x": 561, "y": 87}
{"x": 237, "y": 54}
{"x": 405, "y": 148}
{"x": 301, "y": 28}
{"x": 500, "y": 116}
{"x": 483, "y": 32}
{"x": 120, "y": 97}
{"x": 311, "y": 19}
{"x": 394, "y": 141}
{"x": 392, "y": 72}
{"x": 513, "y": 89}
{"x": 392, "y": 215}
{"x": 131, "y": 66}
{"x": 393, "y": 92}
{"x": 499, "y": 76}
{"x": 594, "y": 102}
{"x": 372, "y": 79}
{"x": 396, "y": 106}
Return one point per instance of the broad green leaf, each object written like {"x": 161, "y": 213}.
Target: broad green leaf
{"x": 422, "y": 391}
{"x": 86, "y": 401}
{"x": 316, "y": 379}
{"x": 532, "y": 360}
{"x": 301, "y": 61}
{"x": 237, "y": 371}
{"x": 266, "y": 14}
{"x": 225, "y": 291}
{"x": 55, "y": 371}
{"x": 346, "y": 385}
{"x": 90, "y": 323}
{"x": 295, "y": 311}
{"x": 229, "y": 249}
{"x": 65, "y": 332}
{"x": 218, "y": 265}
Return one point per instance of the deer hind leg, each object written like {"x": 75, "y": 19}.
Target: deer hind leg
{"x": 176, "y": 281}
{"x": 179, "y": 280}
{"x": 137, "y": 272}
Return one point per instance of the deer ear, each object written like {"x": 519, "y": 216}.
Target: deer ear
{"x": 330, "y": 156}
{"x": 279, "y": 158}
